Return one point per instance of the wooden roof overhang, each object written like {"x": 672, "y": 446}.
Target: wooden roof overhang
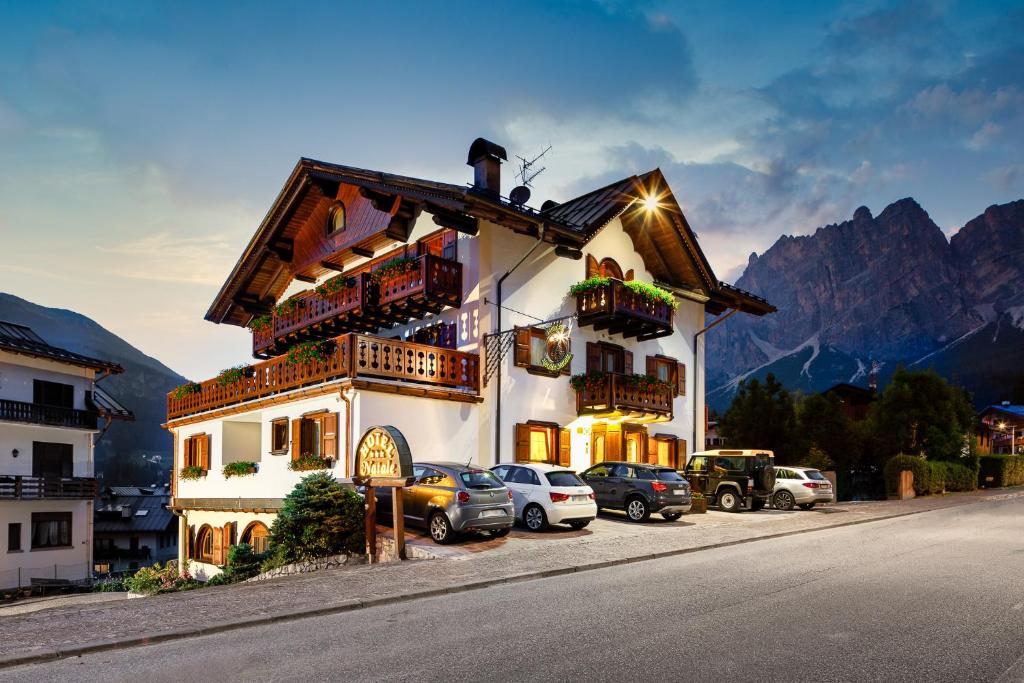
{"x": 267, "y": 265}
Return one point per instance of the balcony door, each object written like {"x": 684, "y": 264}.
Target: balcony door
{"x": 603, "y": 357}
{"x": 52, "y": 459}
{"x": 53, "y": 394}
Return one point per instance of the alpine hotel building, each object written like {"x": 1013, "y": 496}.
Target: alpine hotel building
{"x": 484, "y": 330}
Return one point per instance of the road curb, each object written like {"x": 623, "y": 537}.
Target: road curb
{"x": 355, "y": 605}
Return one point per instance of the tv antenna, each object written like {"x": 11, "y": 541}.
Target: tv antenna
{"x": 527, "y": 172}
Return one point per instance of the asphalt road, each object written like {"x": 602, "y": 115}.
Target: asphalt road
{"x": 933, "y": 597}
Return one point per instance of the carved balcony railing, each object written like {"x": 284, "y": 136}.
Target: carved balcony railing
{"x": 615, "y": 395}
{"x": 376, "y": 300}
{"x": 349, "y": 355}
{"x": 34, "y": 488}
{"x": 620, "y": 310}
{"x": 35, "y": 413}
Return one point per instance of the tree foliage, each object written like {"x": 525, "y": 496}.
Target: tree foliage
{"x": 763, "y": 416}
{"x": 320, "y": 517}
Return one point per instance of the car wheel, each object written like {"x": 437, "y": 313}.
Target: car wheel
{"x": 671, "y": 516}
{"x": 806, "y": 506}
{"x": 441, "y": 529}
{"x": 729, "y": 501}
{"x": 757, "y": 504}
{"x": 501, "y": 533}
{"x": 534, "y": 518}
{"x": 783, "y": 500}
{"x": 579, "y": 524}
{"x": 637, "y": 510}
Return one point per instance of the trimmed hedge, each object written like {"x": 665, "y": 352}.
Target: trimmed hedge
{"x": 1005, "y": 470}
{"x": 960, "y": 477}
{"x": 936, "y": 476}
{"x": 916, "y": 464}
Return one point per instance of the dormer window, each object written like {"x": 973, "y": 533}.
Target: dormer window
{"x": 336, "y": 218}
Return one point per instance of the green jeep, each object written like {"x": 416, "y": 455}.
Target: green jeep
{"x": 733, "y": 480}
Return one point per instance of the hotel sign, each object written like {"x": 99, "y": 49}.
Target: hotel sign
{"x": 383, "y": 458}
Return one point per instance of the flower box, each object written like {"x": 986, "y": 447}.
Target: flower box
{"x": 698, "y": 505}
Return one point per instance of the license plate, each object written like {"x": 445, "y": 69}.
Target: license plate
{"x": 580, "y": 499}
{"x": 679, "y": 492}
{"x": 492, "y": 513}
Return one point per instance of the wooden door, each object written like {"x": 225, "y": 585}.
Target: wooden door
{"x": 634, "y": 442}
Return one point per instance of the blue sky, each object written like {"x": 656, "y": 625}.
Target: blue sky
{"x": 141, "y": 143}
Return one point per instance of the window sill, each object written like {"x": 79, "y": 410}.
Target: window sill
{"x": 54, "y": 547}
{"x": 541, "y": 371}
{"x": 280, "y": 452}
{"x": 13, "y": 552}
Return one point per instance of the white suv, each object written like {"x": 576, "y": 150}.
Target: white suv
{"x": 546, "y": 494}
{"x": 802, "y": 486}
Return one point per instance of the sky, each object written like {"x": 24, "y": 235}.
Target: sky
{"x": 142, "y": 143}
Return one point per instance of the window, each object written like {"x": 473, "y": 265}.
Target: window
{"x": 279, "y": 436}
{"x": 480, "y": 479}
{"x": 542, "y": 442}
{"x": 53, "y": 394}
{"x": 622, "y": 471}
{"x": 668, "y": 370}
{"x": 317, "y": 436}
{"x": 522, "y": 475}
{"x": 258, "y": 536}
{"x": 564, "y": 478}
{"x": 599, "y": 471}
{"x": 52, "y": 459}
{"x": 602, "y": 357}
{"x": 14, "y": 537}
{"x": 531, "y": 348}
{"x": 609, "y": 268}
{"x": 699, "y": 464}
{"x": 197, "y": 451}
{"x": 644, "y": 473}
{"x": 815, "y": 475}
{"x": 668, "y": 475}
{"x": 730, "y": 464}
{"x": 665, "y": 450}
{"x": 204, "y": 545}
{"x": 336, "y": 218}
{"x": 51, "y": 530}
{"x": 501, "y": 471}
{"x": 432, "y": 477}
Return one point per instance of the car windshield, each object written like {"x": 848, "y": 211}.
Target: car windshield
{"x": 668, "y": 475}
{"x": 815, "y": 474}
{"x": 480, "y": 479}
{"x": 565, "y": 478}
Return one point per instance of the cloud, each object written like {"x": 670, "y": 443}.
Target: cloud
{"x": 166, "y": 257}
{"x": 984, "y": 136}
{"x": 1007, "y": 178}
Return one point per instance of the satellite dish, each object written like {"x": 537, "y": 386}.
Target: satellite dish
{"x": 520, "y": 195}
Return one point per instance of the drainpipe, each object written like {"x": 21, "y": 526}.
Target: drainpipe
{"x": 347, "y": 400}
{"x": 696, "y": 374}
{"x": 497, "y": 383}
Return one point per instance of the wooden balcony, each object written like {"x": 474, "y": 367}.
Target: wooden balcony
{"x": 375, "y": 301}
{"x": 35, "y": 413}
{"x": 38, "y": 488}
{"x": 616, "y": 396}
{"x": 349, "y": 356}
{"x": 618, "y": 309}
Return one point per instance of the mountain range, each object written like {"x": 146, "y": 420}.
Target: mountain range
{"x": 882, "y": 290}
{"x": 142, "y": 388}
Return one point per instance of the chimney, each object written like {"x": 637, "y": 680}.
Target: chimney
{"x": 485, "y": 157}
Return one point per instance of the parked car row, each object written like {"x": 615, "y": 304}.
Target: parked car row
{"x": 449, "y": 498}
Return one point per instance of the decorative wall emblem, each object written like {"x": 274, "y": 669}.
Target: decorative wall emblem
{"x": 556, "y": 349}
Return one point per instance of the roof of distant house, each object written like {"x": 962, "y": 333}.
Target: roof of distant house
{"x": 1012, "y": 410}
{"x": 133, "y": 509}
{"x": 22, "y": 340}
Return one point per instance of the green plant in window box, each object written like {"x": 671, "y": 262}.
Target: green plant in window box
{"x": 234, "y": 374}
{"x": 644, "y": 290}
{"x": 192, "y": 472}
{"x": 591, "y": 381}
{"x": 334, "y": 285}
{"x": 396, "y": 266}
{"x": 261, "y": 323}
{"x": 307, "y": 463}
{"x": 185, "y": 390}
{"x": 239, "y": 469}
{"x": 645, "y": 382}
{"x": 591, "y": 284}
{"x": 286, "y": 307}
{"x": 309, "y": 352}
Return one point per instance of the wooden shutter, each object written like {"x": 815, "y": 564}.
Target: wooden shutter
{"x": 190, "y": 543}
{"x": 628, "y": 276}
{"x": 228, "y": 540}
{"x": 593, "y": 357}
{"x": 567, "y": 370}
{"x": 613, "y": 443}
{"x": 204, "y": 451}
{"x": 522, "y": 450}
{"x": 218, "y": 546}
{"x": 296, "y": 439}
{"x": 329, "y": 436}
{"x": 592, "y": 266}
{"x": 652, "y": 366}
{"x": 521, "y": 357}
{"x": 681, "y": 378}
{"x": 564, "y": 447}
{"x": 680, "y": 454}
{"x": 627, "y": 362}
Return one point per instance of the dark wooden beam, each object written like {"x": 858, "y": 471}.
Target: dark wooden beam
{"x": 305, "y": 278}
{"x": 252, "y": 304}
{"x": 456, "y": 221}
{"x": 403, "y": 220}
{"x": 362, "y": 251}
{"x": 283, "y": 248}
{"x": 332, "y": 266}
{"x": 382, "y": 201}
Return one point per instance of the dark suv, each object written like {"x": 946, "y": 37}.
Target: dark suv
{"x": 639, "y": 489}
{"x": 733, "y": 479}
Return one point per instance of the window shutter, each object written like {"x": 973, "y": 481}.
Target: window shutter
{"x": 652, "y": 366}
{"x": 190, "y": 547}
{"x": 681, "y": 378}
{"x": 204, "y": 451}
{"x": 567, "y": 370}
{"x": 218, "y": 546}
{"x": 628, "y": 276}
{"x": 593, "y": 357}
{"x": 564, "y": 447}
{"x": 329, "y": 435}
{"x": 613, "y": 443}
{"x": 627, "y": 362}
{"x": 522, "y": 443}
{"x": 680, "y": 454}
{"x": 522, "y": 347}
{"x": 592, "y": 267}
{"x": 296, "y": 439}
{"x": 229, "y": 530}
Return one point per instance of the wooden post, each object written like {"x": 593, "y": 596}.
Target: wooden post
{"x": 371, "y": 525}
{"x": 399, "y": 517}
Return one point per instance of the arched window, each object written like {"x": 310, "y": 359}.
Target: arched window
{"x": 609, "y": 268}
{"x": 258, "y": 536}
{"x": 336, "y": 218}
{"x": 203, "y": 550}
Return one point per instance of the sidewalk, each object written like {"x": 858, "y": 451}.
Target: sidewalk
{"x": 70, "y": 631}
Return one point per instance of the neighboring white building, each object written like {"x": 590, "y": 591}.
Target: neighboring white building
{"x": 50, "y": 412}
{"x": 439, "y": 324}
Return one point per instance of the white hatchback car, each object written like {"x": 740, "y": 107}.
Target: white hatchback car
{"x": 800, "y": 486}
{"x": 547, "y": 494}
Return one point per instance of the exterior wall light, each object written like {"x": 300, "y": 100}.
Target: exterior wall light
{"x": 14, "y": 452}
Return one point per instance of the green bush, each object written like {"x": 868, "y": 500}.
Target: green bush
{"x": 1005, "y": 470}
{"x": 112, "y": 585}
{"x": 319, "y": 517}
{"x": 916, "y": 464}
{"x": 936, "y": 477}
{"x": 157, "y": 579}
{"x": 243, "y": 563}
{"x": 960, "y": 477}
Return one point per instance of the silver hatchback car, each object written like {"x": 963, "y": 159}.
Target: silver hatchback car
{"x": 800, "y": 486}
{"x": 448, "y": 498}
